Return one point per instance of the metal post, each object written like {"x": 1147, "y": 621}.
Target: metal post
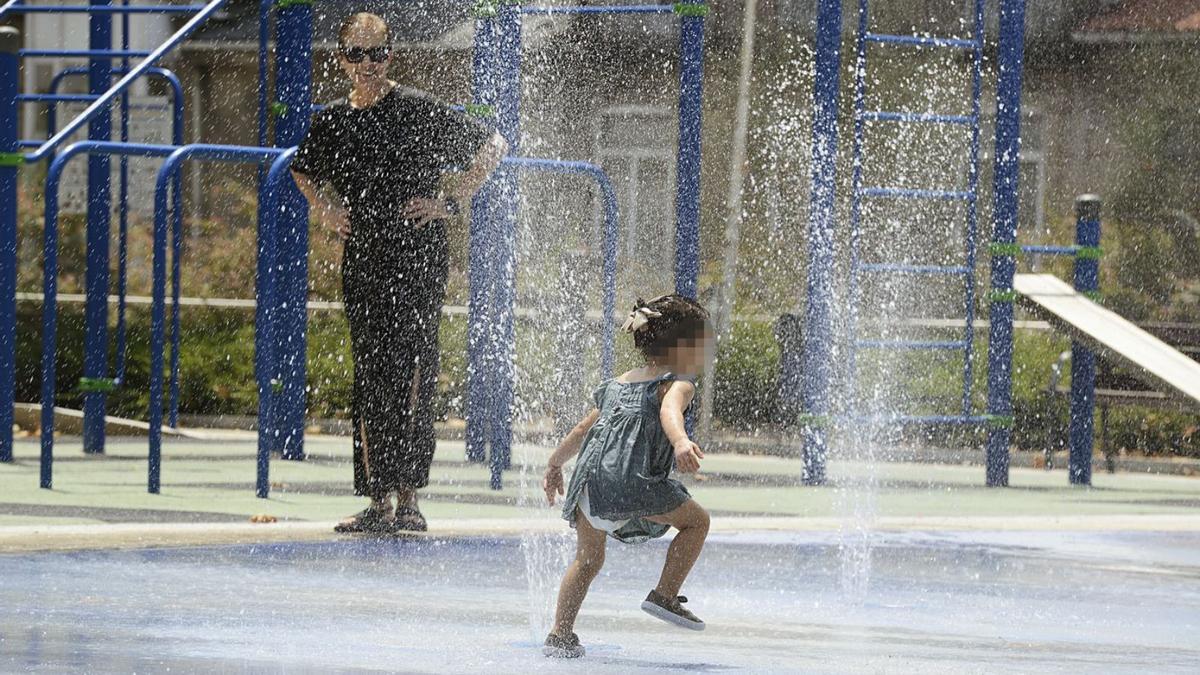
{"x": 478, "y": 404}
{"x": 687, "y": 200}
{"x": 10, "y": 162}
{"x": 95, "y": 340}
{"x": 508, "y": 115}
{"x": 1004, "y": 237}
{"x": 294, "y": 35}
{"x": 1083, "y": 360}
{"x": 818, "y": 345}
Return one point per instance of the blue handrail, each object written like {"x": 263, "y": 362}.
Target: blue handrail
{"x": 166, "y": 175}
{"x": 609, "y": 196}
{"x": 50, "y": 276}
{"x": 137, "y": 71}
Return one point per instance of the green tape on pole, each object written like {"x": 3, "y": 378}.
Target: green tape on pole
{"x": 1094, "y": 296}
{"x": 1089, "y": 252}
{"x": 1002, "y": 296}
{"x": 814, "y": 421}
{"x": 691, "y": 9}
{"x": 11, "y": 159}
{"x": 1000, "y": 249}
{"x": 276, "y": 386}
{"x": 999, "y": 421}
{"x": 479, "y": 110}
{"x": 92, "y": 385}
{"x": 485, "y": 9}
{"x": 284, "y": 4}
{"x": 279, "y": 109}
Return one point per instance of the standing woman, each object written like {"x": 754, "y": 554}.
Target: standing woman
{"x": 385, "y": 168}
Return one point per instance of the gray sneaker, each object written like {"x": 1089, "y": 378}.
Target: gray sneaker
{"x": 671, "y": 610}
{"x": 563, "y": 647}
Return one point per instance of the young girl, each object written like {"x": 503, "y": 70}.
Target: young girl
{"x": 621, "y": 486}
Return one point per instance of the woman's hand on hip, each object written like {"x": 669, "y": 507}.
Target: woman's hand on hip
{"x": 336, "y": 218}
{"x": 425, "y": 211}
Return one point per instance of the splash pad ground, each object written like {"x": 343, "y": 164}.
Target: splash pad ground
{"x": 100, "y": 577}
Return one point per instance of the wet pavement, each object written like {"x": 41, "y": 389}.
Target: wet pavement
{"x": 855, "y": 601}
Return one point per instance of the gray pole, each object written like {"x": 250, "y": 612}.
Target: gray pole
{"x": 723, "y": 312}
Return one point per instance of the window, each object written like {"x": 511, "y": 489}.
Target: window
{"x": 636, "y": 146}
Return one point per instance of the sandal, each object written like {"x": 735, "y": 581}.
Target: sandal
{"x": 367, "y": 520}
{"x": 409, "y": 519}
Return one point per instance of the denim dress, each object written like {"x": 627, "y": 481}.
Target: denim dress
{"x": 625, "y": 462}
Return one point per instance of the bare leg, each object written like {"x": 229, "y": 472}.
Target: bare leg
{"x": 589, "y": 558}
{"x": 692, "y": 522}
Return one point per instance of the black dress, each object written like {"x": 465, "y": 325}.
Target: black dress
{"x": 393, "y": 273}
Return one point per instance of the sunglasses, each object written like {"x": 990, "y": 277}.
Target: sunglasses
{"x": 357, "y": 54}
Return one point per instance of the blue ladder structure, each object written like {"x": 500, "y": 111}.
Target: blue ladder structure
{"x": 970, "y": 196}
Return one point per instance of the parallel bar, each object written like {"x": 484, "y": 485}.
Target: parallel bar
{"x": 1066, "y": 251}
{"x": 933, "y": 118}
{"x": 930, "y": 420}
{"x": 50, "y": 278}
{"x": 88, "y": 9}
{"x": 56, "y": 98}
{"x": 911, "y": 193}
{"x": 89, "y": 53}
{"x": 921, "y": 345}
{"x": 598, "y": 9}
{"x": 896, "y": 268}
{"x": 920, "y": 41}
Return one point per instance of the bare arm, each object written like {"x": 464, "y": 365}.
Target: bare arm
{"x": 482, "y": 165}
{"x": 552, "y": 482}
{"x": 326, "y": 210}
{"x": 675, "y": 400}
{"x": 460, "y": 186}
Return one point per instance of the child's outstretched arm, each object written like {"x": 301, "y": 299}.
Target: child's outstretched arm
{"x": 675, "y": 400}
{"x": 552, "y": 482}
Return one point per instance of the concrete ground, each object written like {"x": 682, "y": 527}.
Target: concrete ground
{"x": 208, "y": 495}
{"x": 893, "y": 567}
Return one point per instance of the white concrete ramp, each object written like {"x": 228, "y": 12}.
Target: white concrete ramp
{"x": 1117, "y": 339}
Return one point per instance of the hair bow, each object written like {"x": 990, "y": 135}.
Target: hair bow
{"x": 640, "y": 316}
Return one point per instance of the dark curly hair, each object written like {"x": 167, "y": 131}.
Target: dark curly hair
{"x": 678, "y": 318}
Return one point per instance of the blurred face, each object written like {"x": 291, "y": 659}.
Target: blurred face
{"x": 365, "y": 55}
{"x": 691, "y": 355}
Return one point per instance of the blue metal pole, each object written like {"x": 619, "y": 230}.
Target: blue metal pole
{"x": 99, "y": 203}
{"x": 1083, "y": 360}
{"x": 478, "y": 404}
{"x": 1004, "y": 235}
{"x": 265, "y": 313}
{"x": 818, "y": 345}
{"x": 294, "y": 36}
{"x": 505, "y": 222}
{"x": 10, "y": 162}
{"x": 687, "y": 200}
{"x": 123, "y": 212}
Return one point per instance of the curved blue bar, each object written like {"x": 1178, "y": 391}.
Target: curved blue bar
{"x": 931, "y": 345}
{"x": 101, "y": 9}
{"x": 89, "y": 53}
{"x": 166, "y": 175}
{"x": 50, "y": 276}
{"x": 913, "y": 193}
{"x": 919, "y": 41}
{"x": 609, "y": 197}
